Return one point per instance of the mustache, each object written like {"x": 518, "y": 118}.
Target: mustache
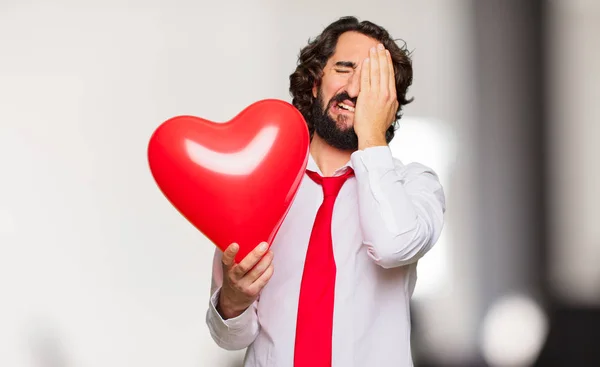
{"x": 341, "y": 98}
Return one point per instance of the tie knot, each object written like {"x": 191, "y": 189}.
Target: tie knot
{"x": 331, "y": 185}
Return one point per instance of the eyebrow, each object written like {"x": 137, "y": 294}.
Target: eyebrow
{"x": 346, "y": 64}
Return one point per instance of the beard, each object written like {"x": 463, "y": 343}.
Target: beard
{"x": 329, "y": 129}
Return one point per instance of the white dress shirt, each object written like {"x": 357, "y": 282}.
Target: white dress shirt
{"x": 385, "y": 218}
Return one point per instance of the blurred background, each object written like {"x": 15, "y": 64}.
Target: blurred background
{"x": 97, "y": 269}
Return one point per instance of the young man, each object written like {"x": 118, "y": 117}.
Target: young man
{"x": 334, "y": 288}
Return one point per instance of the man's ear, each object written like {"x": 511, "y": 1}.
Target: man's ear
{"x": 314, "y": 90}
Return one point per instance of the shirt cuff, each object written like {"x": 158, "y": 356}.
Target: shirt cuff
{"x": 235, "y": 323}
{"x": 371, "y": 166}
{"x": 378, "y": 158}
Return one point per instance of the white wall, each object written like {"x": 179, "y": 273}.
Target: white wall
{"x": 96, "y": 267}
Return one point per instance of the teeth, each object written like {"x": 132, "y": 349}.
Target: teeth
{"x": 346, "y": 107}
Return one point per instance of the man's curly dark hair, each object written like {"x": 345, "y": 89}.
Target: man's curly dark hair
{"x": 314, "y": 56}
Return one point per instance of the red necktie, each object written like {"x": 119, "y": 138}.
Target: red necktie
{"x": 315, "y": 307}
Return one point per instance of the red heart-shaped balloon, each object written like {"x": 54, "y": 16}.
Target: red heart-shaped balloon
{"x": 234, "y": 181}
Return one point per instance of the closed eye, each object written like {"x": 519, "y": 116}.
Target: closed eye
{"x": 342, "y": 71}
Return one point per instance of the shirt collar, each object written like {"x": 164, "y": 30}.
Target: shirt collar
{"x": 312, "y": 166}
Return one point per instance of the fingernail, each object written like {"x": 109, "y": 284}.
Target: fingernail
{"x": 262, "y": 247}
{"x": 235, "y": 246}
{"x": 380, "y": 46}
{"x": 367, "y": 59}
{"x": 372, "y": 49}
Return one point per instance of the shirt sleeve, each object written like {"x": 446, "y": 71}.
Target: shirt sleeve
{"x": 401, "y": 207}
{"x": 235, "y": 333}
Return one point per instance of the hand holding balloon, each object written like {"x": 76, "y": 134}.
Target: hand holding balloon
{"x": 243, "y": 282}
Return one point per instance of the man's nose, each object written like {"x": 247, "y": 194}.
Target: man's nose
{"x": 354, "y": 85}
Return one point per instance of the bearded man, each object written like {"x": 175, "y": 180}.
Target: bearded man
{"x": 334, "y": 287}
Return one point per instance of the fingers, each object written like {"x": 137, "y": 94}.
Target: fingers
{"x": 253, "y": 281}
{"x": 384, "y": 77}
{"x": 391, "y": 76}
{"x": 229, "y": 255}
{"x": 365, "y": 80}
{"x": 264, "y": 278}
{"x": 374, "y": 70}
{"x": 250, "y": 260}
{"x": 380, "y": 77}
{"x": 260, "y": 268}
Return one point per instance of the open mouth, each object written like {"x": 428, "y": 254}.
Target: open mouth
{"x": 343, "y": 106}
